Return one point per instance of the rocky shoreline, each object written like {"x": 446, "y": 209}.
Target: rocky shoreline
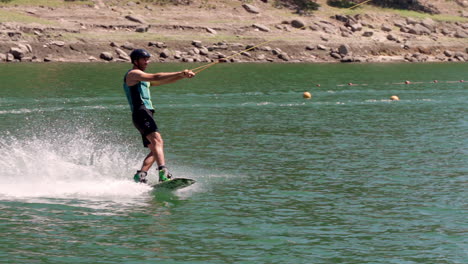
{"x": 111, "y": 32}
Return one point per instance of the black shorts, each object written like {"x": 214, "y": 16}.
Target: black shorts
{"x": 143, "y": 120}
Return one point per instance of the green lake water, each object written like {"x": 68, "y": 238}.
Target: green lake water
{"x": 346, "y": 177}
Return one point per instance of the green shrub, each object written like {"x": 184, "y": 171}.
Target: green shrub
{"x": 169, "y": 2}
{"x": 341, "y": 3}
{"x": 301, "y": 6}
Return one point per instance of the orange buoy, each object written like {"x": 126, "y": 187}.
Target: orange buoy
{"x": 394, "y": 98}
{"x": 306, "y": 95}
{"x": 407, "y": 82}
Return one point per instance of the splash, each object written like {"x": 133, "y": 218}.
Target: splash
{"x": 66, "y": 165}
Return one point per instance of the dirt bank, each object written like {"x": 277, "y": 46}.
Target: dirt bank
{"x": 206, "y": 31}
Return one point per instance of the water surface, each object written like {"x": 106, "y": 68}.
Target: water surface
{"x": 346, "y": 177}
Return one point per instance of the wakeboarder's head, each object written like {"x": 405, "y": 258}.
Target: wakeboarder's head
{"x": 140, "y": 58}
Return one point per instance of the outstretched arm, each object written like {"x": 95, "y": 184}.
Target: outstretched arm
{"x": 157, "y": 79}
{"x": 170, "y": 77}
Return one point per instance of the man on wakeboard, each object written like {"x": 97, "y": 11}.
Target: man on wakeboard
{"x": 136, "y": 86}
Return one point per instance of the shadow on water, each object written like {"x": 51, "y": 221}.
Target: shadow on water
{"x": 166, "y": 196}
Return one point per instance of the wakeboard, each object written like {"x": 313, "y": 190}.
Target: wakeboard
{"x": 174, "y": 184}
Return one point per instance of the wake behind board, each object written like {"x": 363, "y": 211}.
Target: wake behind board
{"x": 174, "y": 184}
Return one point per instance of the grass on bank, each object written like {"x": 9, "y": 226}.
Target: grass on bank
{"x": 125, "y": 36}
{"x": 45, "y": 3}
{"x": 418, "y": 15}
{"x": 12, "y": 16}
{"x": 404, "y": 13}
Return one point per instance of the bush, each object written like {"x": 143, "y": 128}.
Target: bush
{"x": 341, "y": 3}
{"x": 168, "y": 2}
{"x": 301, "y": 6}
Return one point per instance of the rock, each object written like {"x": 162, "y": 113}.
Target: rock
{"x": 399, "y": 23}
{"x": 204, "y": 51}
{"x": 386, "y": 28}
{"x": 345, "y": 34}
{"x": 464, "y": 13}
{"x": 10, "y": 57}
{"x": 448, "y": 53}
{"x": 335, "y": 55}
{"x": 284, "y": 56}
{"x": 27, "y": 59}
{"x": 25, "y": 47}
{"x": 18, "y": 52}
{"x": 459, "y": 54}
{"x": 135, "y": 19}
{"x": 29, "y": 47}
{"x": 57, "y": 43}
{"x": 356, "y": 27}
{"x": 296, "y": 23}
{"x": 196, "y": 51}
{"x": 429, "y": 24}
{"x": 220, "y": 55}
{"x": 107, "y": 56}
{"x": 15, "y": 35}
{"x": 461, "y": 34}
{"x": 197, "y": 43}
{"x": 212, "y": 31}
{"x": 310, "y": 47}
{"x": 3, "y": 57}
{"x": 251, "y": 9}
{"x": 424, "y": 50}
{"x": 368, "y": 34}
{"x": 392, "y": 37}
{"x": 251, "y": 47}
{"x": 48, "y": 58}
{"x": 276, "y": 51}
{"x": 185, "y": 59}
{"x": 157, "y": 44}
{"x": 165, "y": 54}
{"x": 314, "y": 28}
{"x": 261, "y": 27}
{"x": 411, "y": 21}
{"x": 127, "y": 46}
{"x": 247, "y": 54}
{"x": 347, "y": 59}
{"x": 344, "y": 49}
{"x": 418, "y": 29}
{"x": 445, "y": 31}
{"x": 342, "y": 18}
{"x": 142, "y": 29}
{"x": 122, "y": 54}
{"x": 322, "y": 47}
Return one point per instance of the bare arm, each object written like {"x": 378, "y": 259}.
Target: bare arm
{"x": 156, "y": 79}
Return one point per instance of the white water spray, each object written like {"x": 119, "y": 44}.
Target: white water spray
{"x": 75, "y": 165}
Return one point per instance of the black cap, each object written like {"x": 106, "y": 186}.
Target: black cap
{"x": 139, "y": 53}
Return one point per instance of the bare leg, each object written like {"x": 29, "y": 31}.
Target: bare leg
{"x": 157, "y": 150}
{"x": 148, "y": 162}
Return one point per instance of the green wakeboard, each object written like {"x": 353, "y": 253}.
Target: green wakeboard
{"x": 174, "y": 184}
